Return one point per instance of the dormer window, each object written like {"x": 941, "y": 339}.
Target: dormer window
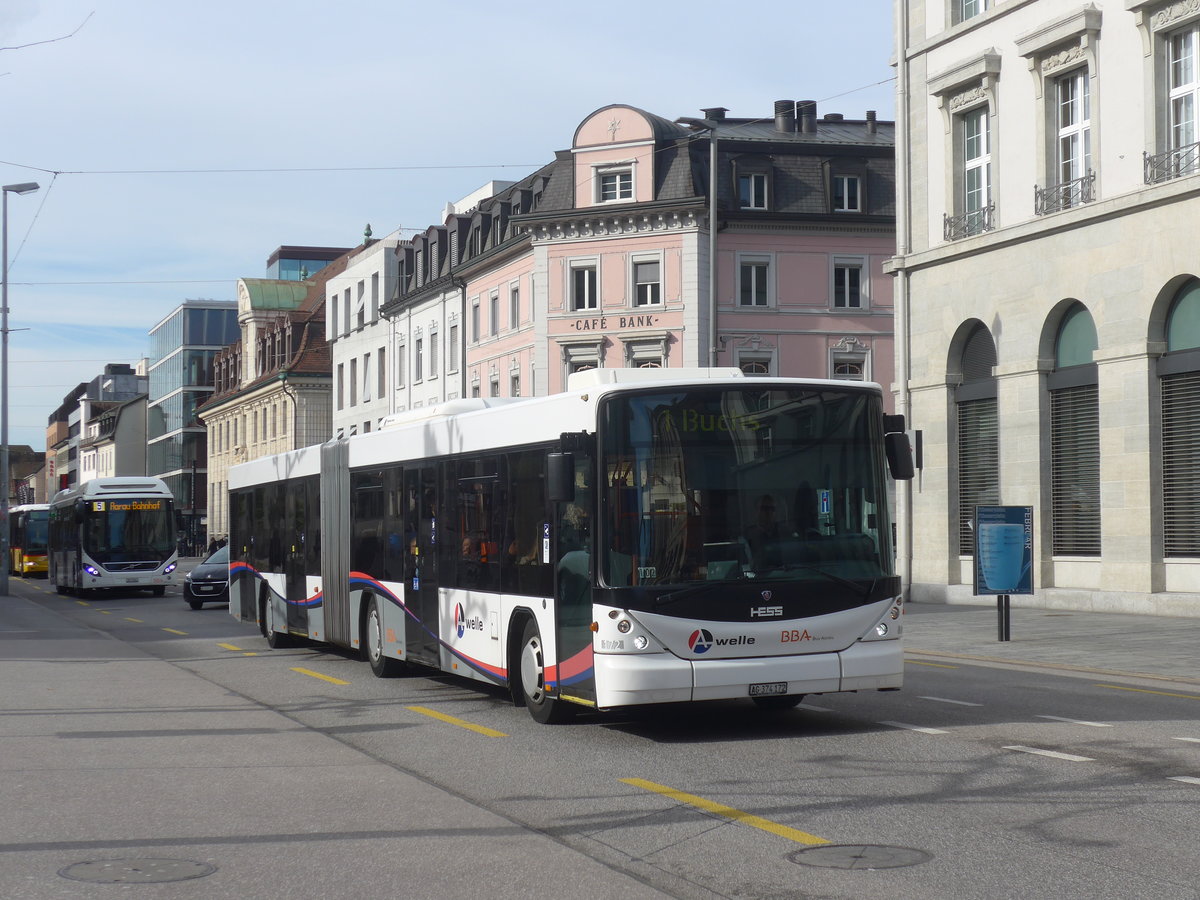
{"x": 752, "y": 191}
{"x": 847, "y": 193}
{"x": 614, "y": 185}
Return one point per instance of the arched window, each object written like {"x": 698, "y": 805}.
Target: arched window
{"x": 1075, "y": 437}
{"x": 1179, "y": 379}
{"x": 978, "y": 436}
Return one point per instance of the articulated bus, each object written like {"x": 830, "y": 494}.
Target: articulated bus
{"x": 27, "y": 539}
{"x": 113, "y": 533}
{"x": 647, "y": 536}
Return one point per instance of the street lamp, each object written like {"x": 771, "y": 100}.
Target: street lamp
{"x": 711, "y": 126}
{"x": 26, "y": 188}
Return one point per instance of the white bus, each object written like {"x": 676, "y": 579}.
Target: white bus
{"x": 647, "y": 536}
{"x": 113, "y": 533}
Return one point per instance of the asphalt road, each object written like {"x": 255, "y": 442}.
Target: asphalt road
{"x": 143, "y": 730}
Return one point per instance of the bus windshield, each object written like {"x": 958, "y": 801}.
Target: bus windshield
{"x": 128, "y": 530}
{"x": 34, "y": 527}
{"x": 720, "y": 484}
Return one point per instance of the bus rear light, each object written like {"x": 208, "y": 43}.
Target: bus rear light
{"x": 624, "y": 625}
{"x": 895, "y": 613}
{"x": 641, "y": 642}
{"x": 881, "y": 629}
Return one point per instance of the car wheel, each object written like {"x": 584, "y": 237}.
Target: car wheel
{"x": 196, "y": 604}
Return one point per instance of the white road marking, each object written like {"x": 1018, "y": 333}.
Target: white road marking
{"x": 1076, "y": 721}
{"x": 1189, "y": 740}
{"x": 955, "y": 702}
{"x": 922, "y": 729}
{"x": 1186, "y": 779}
{"x": 1069, "y": 757}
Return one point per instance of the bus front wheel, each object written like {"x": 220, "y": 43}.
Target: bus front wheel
{"x": 266, "y": 624}
{"x": 541, "y": 706}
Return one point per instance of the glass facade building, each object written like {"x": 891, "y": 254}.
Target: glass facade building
{"x": 182, "y": 348}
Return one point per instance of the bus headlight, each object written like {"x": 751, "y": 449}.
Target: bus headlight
{"x": 91, "y": 570}
{"x": 171, "y": 568}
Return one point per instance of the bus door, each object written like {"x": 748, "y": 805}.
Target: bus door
{"x": 573, "y": 585}
{"x": 420, "y": 570}
{"x": 243, "y": 585}
{"x": 295, "y": 582}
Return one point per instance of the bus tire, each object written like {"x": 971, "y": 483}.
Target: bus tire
{"x": 543, "y": 708}
{"x": 382, "y": 665}
{"x": 158, "y": 591}
{"x": 778, "y": 703}
{"x": 276, "y": 640}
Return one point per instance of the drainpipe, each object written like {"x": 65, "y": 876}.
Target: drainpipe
{"x": 903, "y": 296}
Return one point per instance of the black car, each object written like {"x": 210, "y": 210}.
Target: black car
{"x": 209, "y": 581}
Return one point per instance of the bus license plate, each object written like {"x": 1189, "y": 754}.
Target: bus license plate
{"x": 768, "y": 688}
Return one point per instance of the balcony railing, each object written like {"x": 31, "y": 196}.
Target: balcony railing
{"x": 1058, "y": 197}
{"x": 975, "y": 222}
{"x": 1172, "y": 164}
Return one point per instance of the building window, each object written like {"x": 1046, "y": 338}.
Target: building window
{"x": 374, "y": 296}
{"x": 977, "y": 162}
{"x": 494, "y": 315}
{"x": 754, "y": 281}
{"x": 752, "y": 191}
{"x": 453, "y": 349}
{"x": 847, "y": 369}
{"x": 646, "y": 286}
{"x": 1179, "y": 374}
{"x": 367, "y": 381}
{"x": 1184, "y": 86}
{"x": 514, "y": 384}
{"x": 346, "y": 311}
{"x": 847, "y": 195}
{"x": 755, "y": 365}
{"x": 341, "y": 388}
{"x": 475, "y": 321}
{"x": 354, "y": 382}
{"x": 514, "y": 307}
{"x": 614, "y": 185}
{"x": 333, "y": 316}
{"x": 400, "y": 372}
{"x": 418, "y": 359}
{"x": 494, "y": 386}
{"x": 978, "y": 435}
{"x": 1075, "y": 438}
{"x": 583, "y": 287}
{"x": 381, "y": 386}
{"x": 1074, "y": 125}
{"x": 848, "y": 284}
{"x": 969, "y": 9}
{"x": 433, "y": 354}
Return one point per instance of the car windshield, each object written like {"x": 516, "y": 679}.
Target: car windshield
{"x": 219, "y": 558}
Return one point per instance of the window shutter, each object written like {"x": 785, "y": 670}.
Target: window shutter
{"x": 1181, "y": 464}
{"x": 978, "y": 465}
{"x": 1075, "y": 470}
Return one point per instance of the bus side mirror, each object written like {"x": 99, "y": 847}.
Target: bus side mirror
{"x": 899, "y": 455}
{"x": 560, "y": 477}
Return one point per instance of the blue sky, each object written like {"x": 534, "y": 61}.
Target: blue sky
{"x": 141, "y": 122}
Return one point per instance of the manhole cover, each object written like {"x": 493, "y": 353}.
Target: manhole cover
{"x": 136, "y": 871}
{"x": 859, "y": 856}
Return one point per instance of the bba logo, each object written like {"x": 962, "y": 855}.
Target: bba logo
{"x": 701, "y": 641}
{"x": 462, "y": 624}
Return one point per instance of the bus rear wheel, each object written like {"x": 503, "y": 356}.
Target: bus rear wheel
{"x": 266, "y": 624}
{"x": 543, "y": 708}
{"x": 382, "y": 665}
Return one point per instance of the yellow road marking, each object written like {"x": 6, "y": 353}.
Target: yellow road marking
{"x": 918, "y": 662}
{"x": 1117, "y": 687}
{"x": 310, "y": 672}
{"x": 83, "y": 603}
{"x": 132, "y": 619}
{"x": 174, "y": 631}
{"x": 106, "y": 612}
{"x": 461, "y": 723}
{"x": 229, "y": 647}
{"x": 728, "y": 812}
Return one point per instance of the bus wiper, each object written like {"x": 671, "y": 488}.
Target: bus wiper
{"x": 853, "y": 585}
{"x": 696, "y": 589}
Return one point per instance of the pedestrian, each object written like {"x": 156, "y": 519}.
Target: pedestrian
{"x": 213, "y": 546}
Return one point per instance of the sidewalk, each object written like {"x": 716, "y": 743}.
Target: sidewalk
{"x": 1156, "y": 647}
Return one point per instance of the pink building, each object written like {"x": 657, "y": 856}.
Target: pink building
{"x": 602, "y": 258}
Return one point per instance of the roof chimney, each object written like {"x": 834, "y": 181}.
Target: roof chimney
{"x": 872, "y": 126}
{"x": 785, "y": 115}
{"x": 715, "y": 113}
{"x": 807, "y": 111}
